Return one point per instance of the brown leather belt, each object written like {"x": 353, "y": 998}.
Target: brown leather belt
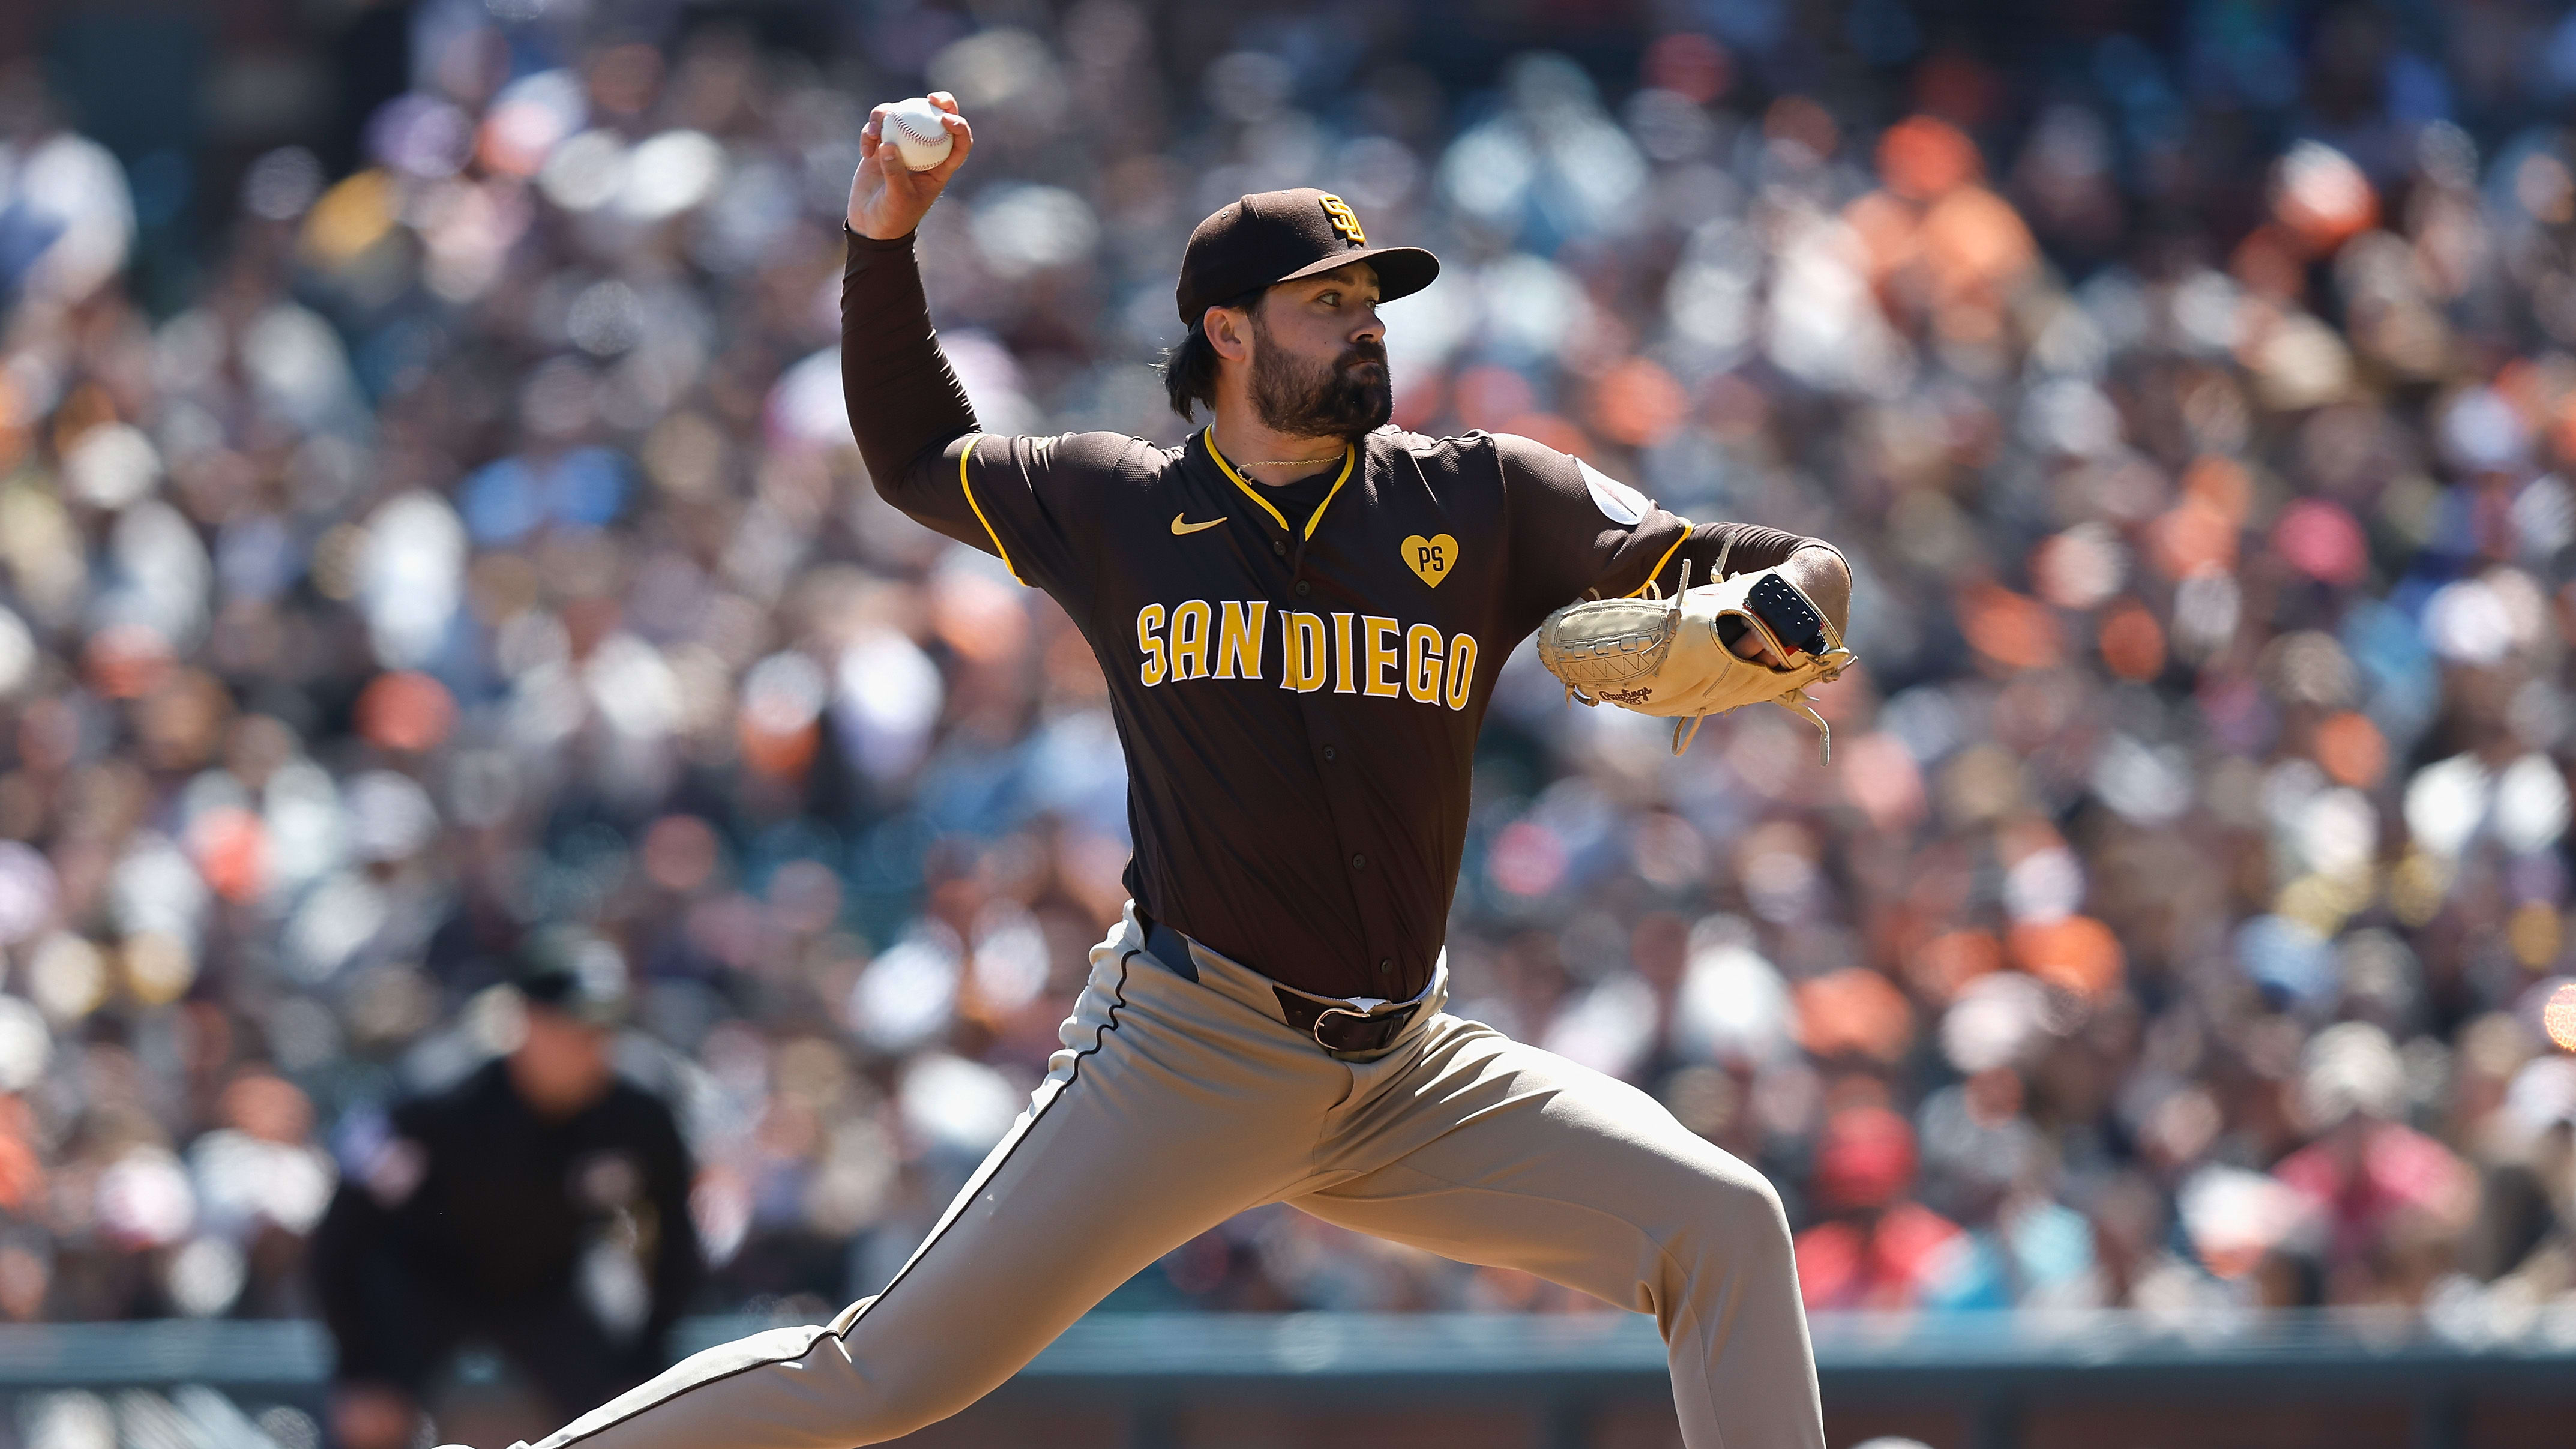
{"x": 1336, "y": 1026}
{"x": 1341, "y": 1028}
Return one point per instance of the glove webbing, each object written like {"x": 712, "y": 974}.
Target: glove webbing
{"x": 1795, "y": 701}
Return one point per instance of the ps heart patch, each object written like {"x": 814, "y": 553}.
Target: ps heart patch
{"x": 1430, "y": 558}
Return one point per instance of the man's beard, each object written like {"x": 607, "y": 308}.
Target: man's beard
{"x": 1298, "y": 400}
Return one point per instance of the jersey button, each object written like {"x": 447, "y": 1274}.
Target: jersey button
{"x": 1359, "y": 862}
{"x": 1386, "y": 966}
{"x": 1278, "y": 548}
{"x": 1304, "y": 588}
{"x": 1329, "y": 753}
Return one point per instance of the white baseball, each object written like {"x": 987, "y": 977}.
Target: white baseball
{"x": 914, "y": 128}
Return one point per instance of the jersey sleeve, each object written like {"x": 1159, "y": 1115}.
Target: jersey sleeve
{"x": 1033, "y": 503}
{"x": 1576, "y": 531}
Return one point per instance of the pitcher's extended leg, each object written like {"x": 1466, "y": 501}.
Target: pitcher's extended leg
{"x": 1558, "y": 1170}
{"x": 1151, "y": 1128}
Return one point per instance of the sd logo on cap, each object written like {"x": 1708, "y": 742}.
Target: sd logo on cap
{"x": 1277, "y": 236}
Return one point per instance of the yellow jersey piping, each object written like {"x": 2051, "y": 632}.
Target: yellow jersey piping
{"x": 1350, "y": 460}
{"x": 969, "y": 490}
{"x": 1658, "y": 569}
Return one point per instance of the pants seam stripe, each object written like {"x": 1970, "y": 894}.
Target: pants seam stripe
{"x": 1697, "y": 1333}
{"x": 1099, "y": 1039}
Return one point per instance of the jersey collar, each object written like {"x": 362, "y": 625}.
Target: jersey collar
{"x": 1350, "y": 459}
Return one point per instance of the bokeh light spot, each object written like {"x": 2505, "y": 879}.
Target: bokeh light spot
{"x": 231, "y": 850}
{"x": 1638, "y": 403}
{"x": 2536, "y": 935}
{"x": 126, "y": 661}
{"x": 1527, "y": 860}
{"x": 1690, "y": 65}
{"x": 406, "y": 711}
{"x": 1854, "y": 1012}
{"x": 1923, "y": 157}
{"x": 2075, "y": 953}
{"x": 2352, "y": 750}
{"x": 2321, "y": 540}
{"x": 2132, "y": 642}
{"x": 680, "y": 853}
{"x": 2012, "y": 630}
{"x": 2558, "y": 1017}
{"x": 2322, "y": 196}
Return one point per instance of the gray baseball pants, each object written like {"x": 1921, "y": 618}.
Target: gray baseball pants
{"x": 1175, "y": 1105}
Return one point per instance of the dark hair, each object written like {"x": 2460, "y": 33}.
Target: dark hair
{"x": 1189, "y": 367}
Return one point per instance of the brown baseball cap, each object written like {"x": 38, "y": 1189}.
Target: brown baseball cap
{"x": 1278, "y": 236}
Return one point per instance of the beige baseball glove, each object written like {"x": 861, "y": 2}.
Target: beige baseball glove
{"x": 1666, "y": 656}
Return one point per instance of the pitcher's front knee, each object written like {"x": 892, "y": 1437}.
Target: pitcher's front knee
{"x": 1732, "y": 1222}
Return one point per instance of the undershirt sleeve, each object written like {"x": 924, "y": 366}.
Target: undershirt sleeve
{"x": 904, "y": 400}
{"x": 1753, "y": 547}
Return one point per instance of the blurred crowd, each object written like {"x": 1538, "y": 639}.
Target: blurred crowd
{"x": 471, "y": 541}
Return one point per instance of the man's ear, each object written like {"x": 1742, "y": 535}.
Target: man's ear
{"x": 1229, "y": 332}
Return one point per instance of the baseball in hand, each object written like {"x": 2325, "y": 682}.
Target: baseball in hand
{"x": 913, "y": 127}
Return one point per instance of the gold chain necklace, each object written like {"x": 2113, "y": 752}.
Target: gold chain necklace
{"x": 1286, "y": 462}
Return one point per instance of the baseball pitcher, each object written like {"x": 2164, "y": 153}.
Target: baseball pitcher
{"x": 1301, "y": 613}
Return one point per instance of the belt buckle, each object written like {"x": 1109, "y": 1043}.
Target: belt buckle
{"x": 1387, "y": 1019}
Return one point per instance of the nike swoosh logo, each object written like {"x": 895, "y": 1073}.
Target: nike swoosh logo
{"x": 1179, "y": 527}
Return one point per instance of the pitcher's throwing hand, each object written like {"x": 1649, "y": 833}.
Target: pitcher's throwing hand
{"x": 888, "y": 198}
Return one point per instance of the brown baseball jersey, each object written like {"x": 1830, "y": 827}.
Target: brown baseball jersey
{"x": 1297, "y": 673}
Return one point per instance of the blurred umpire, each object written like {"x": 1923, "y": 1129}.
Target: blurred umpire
{"x": 535, "y": 1213}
